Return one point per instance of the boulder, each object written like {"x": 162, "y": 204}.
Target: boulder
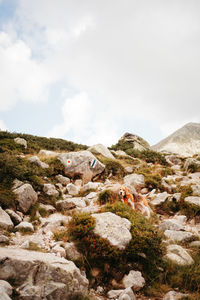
{"x": 193, "y": 200}
{"x": 72, "y": 189}
{"x": 136, "y": 142}
{"x": 172, "y": 295}
{"x": 4, "y": 239}
{"x": 54, "y": 221}
{"x": 134, "y": 279}
{"x": 101, "y": 149}
{"x": 90, "y": 186}
{"x": 21, "y": 141}
{"x": 178, "y": 255}
{"x": 49, "y": 208}
{"x": 179, "y": 236}
{"x": 113, "y": 228}
{"x": 42, "y": 275}
{"x": 5, "y": 290}
{"x": 191, "y": 163}
{"x": 171, "y": 224}
{"x": 26, "y": 197}
{"x": 50, "y": 190}
{"x": 70, "y": 203}
{"x": 160, "y": 198}
{"x": 82, "y": 163}
{"x": 25, "y": 226}
{"x": 134, "y": 181}
{"x": 38, "y": 162}
{"x": 47, "y": 153}
{"x": 5, "y": 220}
{"x": 16, "y": 219}
{"x": 63, "y": 179}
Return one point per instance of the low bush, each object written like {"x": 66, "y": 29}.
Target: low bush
{"x": 112, "y": 168}
{"x": 143, "y": 252}
{"x": 107, "y": 196}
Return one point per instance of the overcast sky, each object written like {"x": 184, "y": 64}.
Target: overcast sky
{"x": 91, "y": 70}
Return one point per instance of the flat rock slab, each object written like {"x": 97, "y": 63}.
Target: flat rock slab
{"x": 178, "y": 236}
{"x": 193, "y": 200}
{"x": 178, "y": 255}
{"x": 41, "y": 275}
{"x": 113, "y": 228}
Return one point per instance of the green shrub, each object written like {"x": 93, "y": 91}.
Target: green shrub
{"x": 7, "y": 198}
{"x": 153, "y": 181}
{"x": 113, "y": 167}
{"x": 98, "y": 251}
{"x": 107, "y": 196}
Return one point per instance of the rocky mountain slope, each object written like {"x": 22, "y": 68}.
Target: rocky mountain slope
{"x": 65, "y": 234}
{"x": 185, "y": 141}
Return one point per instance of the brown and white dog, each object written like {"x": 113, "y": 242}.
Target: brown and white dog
{"x": 136, "y": 201}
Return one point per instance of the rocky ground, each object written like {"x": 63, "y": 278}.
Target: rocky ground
{"x": 67, "y": 236}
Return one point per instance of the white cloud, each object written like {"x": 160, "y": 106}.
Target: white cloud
{"x": 3, "y": 126}
{"x": 82, "y": 122}
{"x": 135, "y": 60}
{"x": 22, "y": 78}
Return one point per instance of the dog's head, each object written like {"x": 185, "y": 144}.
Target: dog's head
{"x": 123, "y": 191}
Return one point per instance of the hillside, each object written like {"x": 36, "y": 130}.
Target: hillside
{"x": 185, "y": 141}
{"x": 66, "y": 233}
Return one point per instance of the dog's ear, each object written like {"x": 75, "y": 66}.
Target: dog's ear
{"x": 127, "y": 190}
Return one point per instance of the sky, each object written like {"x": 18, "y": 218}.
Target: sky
{"x": 90, "y": 70}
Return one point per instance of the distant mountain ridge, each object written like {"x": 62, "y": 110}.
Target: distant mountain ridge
{"x": 184, "y": 141}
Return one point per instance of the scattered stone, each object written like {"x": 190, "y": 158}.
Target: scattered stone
{"x": 47, "y": 153}
{"x": 129, "y": 169}
{"x": 65, "y": 204}
{"x": 26, "y": 226}
{"x": 5, "y": 220}
{"x": 101, "y": 149}
{"x": 59, "y": 251}
{"x": 35, "y": 159}
{"x": 91, "y": 195}
{"x": 26, "y": 197}
{"x": 54, "y": 221}
{"x": 5, "y": 290}
{"x": 25, "y": 245}
{"x": 193, "y": 200}
{"x": 4, "y": 239}
{"x": 82, "y": 163}
{"x": 42, "y": 274}
{"x": 191, "y": 162}
{"x": 113, "y": 228}
{"x": 114, "y": 294}
{"x": 178, "y": 255}
{"x": 175, "y": 197}
{"x": 78, "y": 182}
{"x": 170, "y": 224}
{"x": 21, "y": 141}
{"x": 71, "y": 252}
{"x": 134, "y": 279}
{"x": 72, "y": 189}
{"x": 49, "y": 208}
{"x": 196, "y": 190}
{"x": 195, "y": 244}
{"x": 16, "y": 219}
{"x": 144, "y": 191}
{"x": 90, "y": 186}
{"x": 173, "y": 160}
{"x": 134, "y": 181}
{"x": 63, "y": 179}
{"x": 172, "y": 295}
{"x": 120, "y": 153}
{"x": 160, "y": 198}
{"x": 127, "y": 294}
{"x": 50, "y": 190}
{"x": 179, "y": 236}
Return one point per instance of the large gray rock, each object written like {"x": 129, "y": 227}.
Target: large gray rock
{"x": 179, "y": 236}
{"x": 171, "y": 224}
{"x": 191, "y": 163}
{"x": 178, "y": 255}
{"x": 193, "y": 200}
{"x": 82, "y": 163}
{"x": 134, "y": 181}
{"x": 38, "y": 162}
{"x": 70, "y": 203}
{"x": 26, "y": 197}
{"x": 160, "y": 198}
{"x": 172, "y": 295}
{"x": 113, "y": 228}
{"x": 21, "y": 141}
{"x": 5, "y": 290}
{"x": 62, "y": 179}
{"x": 42, "y": 275}
{"x": 73, "y": 189}
{"x": 5, "y": 220}
{"x": 101, "y": 149}
{"x": 134, "y": 279}
{"x": 26, "y": 226}
{"x": 16, "y": 219}
{"x": 90, "y": 186}
{"x": 50, "y": 190}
